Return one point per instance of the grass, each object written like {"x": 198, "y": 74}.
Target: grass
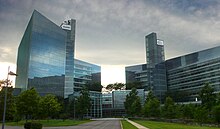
{"x": 165, "y": 125}
{"x": 127, "y": 125}
{"x": 51, "y": 123}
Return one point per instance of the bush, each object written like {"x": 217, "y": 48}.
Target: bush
{"x": 32, "y": 125}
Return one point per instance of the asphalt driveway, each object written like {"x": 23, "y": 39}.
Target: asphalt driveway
{"x": 97, "y": 124}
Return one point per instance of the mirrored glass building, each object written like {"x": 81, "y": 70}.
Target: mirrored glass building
{"x": 152, "y": 75}
{"x": 46, "y": 61}
{"x": 181, "y": 77}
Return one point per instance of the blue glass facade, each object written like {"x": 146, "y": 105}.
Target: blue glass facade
{"x": 182, "y": 76}
{"x": 43, "y": 57}
{"x": 152, "y": 75}
{"x": 85, "y": 73}
{"x": 188, "y": 74}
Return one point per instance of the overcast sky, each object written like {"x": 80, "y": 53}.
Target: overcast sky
{"x": 111, "y": 33}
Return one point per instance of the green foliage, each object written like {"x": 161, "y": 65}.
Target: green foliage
{"x": 83, "y": 103}
{"x": 94, "y": 86}
{"x": 32, "y": 125}
{"x": 10, "y": 104}
{"x": 51, "y": 123}
{"x": 166, "y": 125}
{"x": 49, "y": 106}
{"x": 115, "y": 86}
{"x": 207, "y": 96}
{"x": 152, "y": 106}
{"x": 188, "y": 111}
{"x": 216, "y": 113}
{"x": 201, "y": 114}
{"x": 27, "y": 103}
{"x": 169, "y": 108}
{"x": 127, "y": 125}
{"x": 132, "y": 103}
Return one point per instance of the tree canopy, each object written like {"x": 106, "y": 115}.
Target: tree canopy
{"x": 27, "y": 103}
{"x": 133, "y": 103}
{"x": 207, "y": 96}
{"x": 115, "y": 86}
{"x": 10, "y": 103}
{"x": 49, "y": 106}
{"x": 83, "y": 103}
{"x": 152, "y": 106}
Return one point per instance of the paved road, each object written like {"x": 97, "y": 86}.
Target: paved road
{"x": 109, "y": 123}
{"x": 100, "y": 124}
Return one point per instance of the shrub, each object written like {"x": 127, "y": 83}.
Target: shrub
{"x": 32, "y": 125}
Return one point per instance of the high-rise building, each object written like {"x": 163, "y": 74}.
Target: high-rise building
{"x": 46, "y": 59}
{"x": 152, "y": 75}
{"x": 183, "y": 77}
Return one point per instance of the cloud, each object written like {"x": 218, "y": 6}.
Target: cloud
{"x": 112, "y": 31}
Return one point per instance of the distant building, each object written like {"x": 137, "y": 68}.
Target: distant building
{"x": 113, "y": 103}
{"x": 182, "y": 77}
{"x": 85, "y": 73}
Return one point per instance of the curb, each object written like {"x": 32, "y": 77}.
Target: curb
{"x": 121, "y": 125}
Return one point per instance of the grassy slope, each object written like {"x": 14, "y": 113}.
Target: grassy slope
{"x": 164, "y": 125}
{"x": 52, "y": 123}
{"x": 127, "y": 125}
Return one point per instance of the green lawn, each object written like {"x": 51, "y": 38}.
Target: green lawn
{"x": 127, "y": 125}
{"x": 165, "y": 125}
{"x": 52, "y": 123}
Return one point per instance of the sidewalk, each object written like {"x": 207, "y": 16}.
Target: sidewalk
{"x": 137, "y": 125}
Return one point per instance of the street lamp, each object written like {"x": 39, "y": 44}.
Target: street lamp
{"x": 6, "y": 90}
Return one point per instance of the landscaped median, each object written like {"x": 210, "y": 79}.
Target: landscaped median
{"x": 166, "y": 125}
{"x": 51, "y": 123}
{"x": 127, "y": 125}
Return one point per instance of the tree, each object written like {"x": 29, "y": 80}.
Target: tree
{"x": 152, "y": 106}
{"x": 207, "y": 96}
{"x": 96, "y": 86}
{"x": 27, "y": 103}
{"x": 83, "y": 103}
{"x": 188, "y": 111}
{"x": 3, "y": 83}
{"x": 216, "y": 113}
{"x": 201, "y": 114}
{"x": 49, "y": 106}
{"x": 115, "y": 86}
{"x": 10, "y": 104}
{"x": 132, "y": 103}
{"x": 169, "y": 108}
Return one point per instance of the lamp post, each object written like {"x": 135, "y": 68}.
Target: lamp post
{"x": 6, "y": 90}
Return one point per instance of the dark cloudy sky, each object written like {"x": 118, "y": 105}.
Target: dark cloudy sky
{"x": 111, "y": 33}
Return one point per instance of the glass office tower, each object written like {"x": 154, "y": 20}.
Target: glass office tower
{"x": 45, "y": 57}
{"x": 187, "y": 74}
{"x": 183, "y": 77}
{"x": 152, "y": 75}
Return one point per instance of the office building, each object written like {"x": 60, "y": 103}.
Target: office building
{"x": 187, "y": 74}
{"x": 152, "y": 75}
{"x": 85, "y": 73}
{"x": 113, "y": 103}
{"x": 183, "y": 77}
{"x": 46, "y": 61}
